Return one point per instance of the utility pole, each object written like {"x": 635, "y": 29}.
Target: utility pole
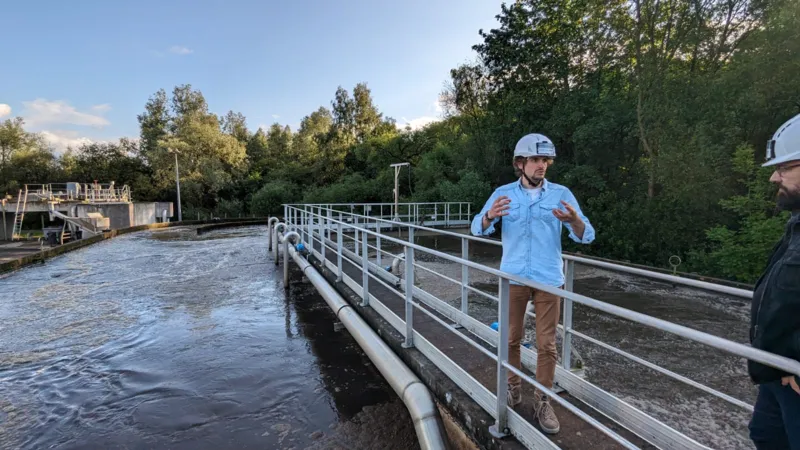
{"x": 397, "y": 168}
{"x": 178, "y": 185}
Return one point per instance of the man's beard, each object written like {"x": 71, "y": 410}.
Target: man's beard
{"x": 788, "y": 200}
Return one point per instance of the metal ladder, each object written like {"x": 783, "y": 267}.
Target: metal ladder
{"x": 19, "y": 215}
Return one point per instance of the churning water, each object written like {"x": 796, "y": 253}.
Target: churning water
{"x": 169, "y": 340}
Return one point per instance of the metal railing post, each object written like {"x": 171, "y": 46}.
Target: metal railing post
{"x": 409, "y": 342}
{"x": 378, "y": 227}
{"x": 355, "y": 234}
{"x": 566, "y": 346}
{"x": 339, "y": 245}
{"x": 330, "y": 216}
{"x": 500, "y": 427}
{"x": 464, "y": 277}
{"x": 364, "y": 269}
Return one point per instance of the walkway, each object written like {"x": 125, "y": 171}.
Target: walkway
{"x": 466, "y": 352}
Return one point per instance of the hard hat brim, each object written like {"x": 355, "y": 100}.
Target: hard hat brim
{"x": 785, "y": 158}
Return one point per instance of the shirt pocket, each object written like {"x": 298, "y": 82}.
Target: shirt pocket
{"x": 546, "y": 212}
{"x": 514, "y": 212}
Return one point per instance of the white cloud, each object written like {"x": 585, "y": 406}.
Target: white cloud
{"x": 105, "y": 107}
{"x": 42, "y": 112}
{"x": 418, "y": 123}
{"x": 61, "y": 139}
{"x": 275, "y": 116}
{"x": 5, "y": 110}
{"x": 180, "y": 50}
{"x": 437, "y": 106}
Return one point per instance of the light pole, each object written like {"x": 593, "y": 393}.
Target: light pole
{"x": 397, "y": 168}
{"x": 177, "y": 184}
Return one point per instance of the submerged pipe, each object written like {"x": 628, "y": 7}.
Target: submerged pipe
{"x": 418, "y": 401}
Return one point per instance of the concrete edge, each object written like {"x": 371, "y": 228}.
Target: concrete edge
{"x": 42, "y": 256}
{"x": 231, "y": 224}
{"x": 462, "y": 411}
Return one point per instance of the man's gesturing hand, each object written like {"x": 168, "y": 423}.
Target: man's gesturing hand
{"x": 499, "y": 208}
{"x": 571, "y": 216}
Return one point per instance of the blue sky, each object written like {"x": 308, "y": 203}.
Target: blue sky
{"x": 84, "y": 70}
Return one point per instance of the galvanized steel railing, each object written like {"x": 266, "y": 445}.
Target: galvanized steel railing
{"x": 318, "y": 224}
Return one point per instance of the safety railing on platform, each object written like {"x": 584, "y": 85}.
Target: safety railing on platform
{"x": 324, "y": 229}
{"x": 426, "y": 213}
{"x": 83, "y": 192}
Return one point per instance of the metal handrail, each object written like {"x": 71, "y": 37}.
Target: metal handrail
{"x": 770, "y": 359}
{"x": 704, "y": 285}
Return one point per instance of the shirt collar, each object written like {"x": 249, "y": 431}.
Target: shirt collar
{"x": 545, "y": 185}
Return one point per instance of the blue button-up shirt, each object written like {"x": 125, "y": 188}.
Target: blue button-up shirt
{"x": 531, "y": 233}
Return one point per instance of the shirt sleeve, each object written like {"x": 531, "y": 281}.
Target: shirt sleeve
{"x": 588, "y": 232}
{"x": 477, "y": 221}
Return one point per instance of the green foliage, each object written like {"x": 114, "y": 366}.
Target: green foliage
{"x": 269, "y": 200}
{"x": 469, "y": 188}
{"x": 741, "y": 252}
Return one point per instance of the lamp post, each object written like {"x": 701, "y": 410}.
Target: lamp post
{"x": 177, "y": 184}
{"x": 397, "y": 168}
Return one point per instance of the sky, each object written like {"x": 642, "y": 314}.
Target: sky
{"x": 79, "y": 71}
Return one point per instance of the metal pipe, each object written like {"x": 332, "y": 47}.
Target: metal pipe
{"x": 286, "y": 239}
{"x": 275, "y": 239}
{"x": 271, "y": 223}
{"x": 420, "y": 404}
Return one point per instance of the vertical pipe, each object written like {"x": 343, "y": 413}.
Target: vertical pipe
{"x": 501, "y": 425}
{"x": 566, "y": 347}
{"x": 177, "y": 186}
{"x": 409, "y": 342}
{"x": 364, "y": 269}
{"x": 464, "y": 277}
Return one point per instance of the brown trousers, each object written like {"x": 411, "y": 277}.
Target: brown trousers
{"x": 547, "y": 308}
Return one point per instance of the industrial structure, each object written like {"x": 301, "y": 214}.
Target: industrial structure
{"x": 80, "y": 210}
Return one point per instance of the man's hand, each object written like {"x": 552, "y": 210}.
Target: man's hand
{"x": 792, "y": 380}
{"x": 570, "y": 217}
{"x": 499, "y": 208}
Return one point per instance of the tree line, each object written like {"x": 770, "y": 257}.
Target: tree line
{"x": 659, "y": 109}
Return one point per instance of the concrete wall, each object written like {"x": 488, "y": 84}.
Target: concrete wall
{"x": 161, "y": 206}
{"x": 144, "y": 213}
{"x": 9, "y": 225}
{"x": 120, "y": 214}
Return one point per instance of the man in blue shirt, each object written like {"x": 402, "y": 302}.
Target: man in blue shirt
{"x": 533, "y": 211}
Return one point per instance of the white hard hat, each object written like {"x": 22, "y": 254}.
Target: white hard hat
{"x": 785, "y": 143}
{"x": 535, "y": 145}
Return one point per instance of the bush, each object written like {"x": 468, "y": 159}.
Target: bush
{"x": 270, "y": 198}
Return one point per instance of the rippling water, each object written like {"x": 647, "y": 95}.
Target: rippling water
{"x": 168, "y": 340}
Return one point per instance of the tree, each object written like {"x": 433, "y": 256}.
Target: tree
{"x": 235, "y": 125}
{"x": 13, "y": 137}
{"x": 153, "y": 123}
